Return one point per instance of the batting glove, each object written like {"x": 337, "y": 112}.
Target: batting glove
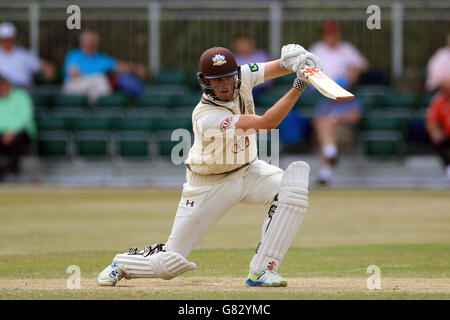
{"x": 289, "y": 54}
{"x": 306, "y": 61}
{"x": 300, "y": 84}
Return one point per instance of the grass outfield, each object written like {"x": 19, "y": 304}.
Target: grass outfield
{"x": 404, "y": 232}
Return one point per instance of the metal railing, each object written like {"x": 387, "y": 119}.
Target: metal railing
{"x": 175, "y": 32}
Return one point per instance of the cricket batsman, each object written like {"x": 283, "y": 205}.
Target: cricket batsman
{"x": 223, "y": 169}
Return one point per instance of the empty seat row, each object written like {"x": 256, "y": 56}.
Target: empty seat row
{"x": 116, "y": 100}
{"x": 107, "y": 123}
{"x": 103, "y": 145}
{"x": 370, "y": 98}
{"x": 383, "y": 144}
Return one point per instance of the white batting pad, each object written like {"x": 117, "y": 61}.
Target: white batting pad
{"x": 168, "y": 265}
{"x": 281, "y": 230}
{"x": 165, "y": 265}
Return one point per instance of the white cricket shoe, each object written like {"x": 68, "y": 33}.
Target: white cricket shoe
{"x": 325, "y": 174}
{"x": 110, "y": 276}
{"x": 266, "y": 278}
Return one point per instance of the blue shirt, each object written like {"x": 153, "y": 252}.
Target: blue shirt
{"x": 88, "y": 64}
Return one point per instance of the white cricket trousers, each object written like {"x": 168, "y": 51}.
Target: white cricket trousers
{"x": 93, "y": 86}
{"x": 202, "y": 207}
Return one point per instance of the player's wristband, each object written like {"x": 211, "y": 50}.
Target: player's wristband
{"x": 300, "y": 84}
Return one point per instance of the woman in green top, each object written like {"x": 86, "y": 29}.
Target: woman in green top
{"x": 17, "y": 126}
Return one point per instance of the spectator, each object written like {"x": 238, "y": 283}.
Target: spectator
{"x": 438, "y": 115}
{"x": 343, "y": 63}
{"x": 246, "y": 53}
{"x": 86, "y": 69}
{"x": 18, "y": 64}
{"x": 17, "y": 126}
{"x": 438, "y": 67}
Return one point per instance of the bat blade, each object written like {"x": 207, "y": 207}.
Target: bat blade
{"x": 326, "y": 85}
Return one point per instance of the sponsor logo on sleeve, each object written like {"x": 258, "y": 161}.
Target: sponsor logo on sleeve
{"x": 253, "y": 67}
{"x": 226, "y": 124}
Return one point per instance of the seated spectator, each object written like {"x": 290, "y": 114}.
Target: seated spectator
{"x": 438, "y": 67}
{"x": 85, "y": 69}
{"x": 246, "y": 53}
{"x": 18, "y": 64}
{"x": 17, "y": 126}
{"x": 438, "y": 115}
{"x": 343, "y": 63}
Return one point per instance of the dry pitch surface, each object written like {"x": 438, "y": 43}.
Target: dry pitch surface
{"x": 406, "y": 233}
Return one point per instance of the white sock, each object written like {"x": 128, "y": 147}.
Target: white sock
{"x": 325, "y": 173}
{"x": 330, "y": 150}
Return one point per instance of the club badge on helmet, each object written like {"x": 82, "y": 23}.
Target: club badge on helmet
{"x": 215, "y": 63}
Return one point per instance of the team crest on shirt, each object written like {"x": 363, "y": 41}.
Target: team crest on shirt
{"x": 219, "y": 60}
{"x": 249, "y": 107}
{"x": 226, "y": 124}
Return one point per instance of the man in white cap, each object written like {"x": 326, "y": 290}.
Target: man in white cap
{"x": 18, "y": 64}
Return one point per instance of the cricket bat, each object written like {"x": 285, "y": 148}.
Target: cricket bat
{"x": 326, "y": 86}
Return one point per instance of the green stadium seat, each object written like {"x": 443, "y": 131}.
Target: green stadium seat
{"x": 54, "y": 145}
{"x": 397, "y": 100}
{"x": 133, "y": 145}
{"x": 172, "y": 123}
{"x": 309, "y": 100}
{"x": 425, "y": 100}
{"x": 51, "y": 123}
{"x": 41, "y": 99}
{"x": 154, "y": 100}
{"x": 112, "y": 112}
{"x": 165, "y": 145}
{"x": 168, "y": 89}
{"x": 170, "y": 77}
{"x": 132, "y": 138}
{"x": 371, "y": 89}
{"x": 91, "y": 123}
{"x": 369, "y": 95}
{"x": 188, "y": 101}
{"x": 135, "y": 123}
{"x": 383, "y": 144}
{"x": 392, "y": 121}
{"x": 72, "y": 101}
{"x": 192, "y": 82}
{"x": 285, "y": 81}
{"x": 268, "y": 99}
{"x": 368, "y": 102}
{"x": 115, "y": 100}
{"x": 93, "y": 145}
